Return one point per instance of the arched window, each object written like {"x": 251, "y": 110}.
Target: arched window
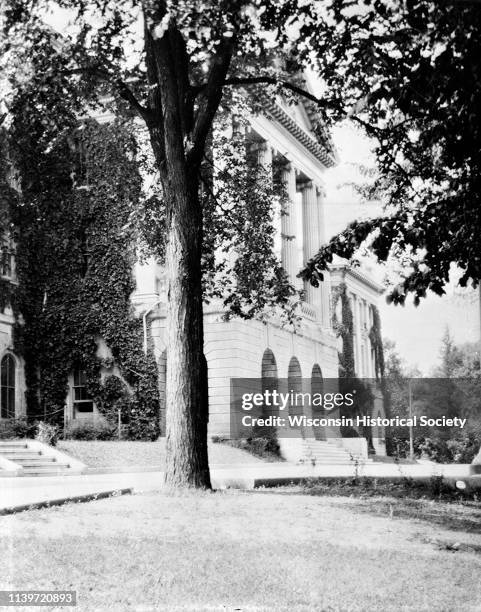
{"x": 269, "y": 379}
{"x": 294, "y": 383}
{"x": 7, "y": 387}
{"x": 317, "y": 392}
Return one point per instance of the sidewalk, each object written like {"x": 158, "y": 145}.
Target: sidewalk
{"x": 27, "y": 491}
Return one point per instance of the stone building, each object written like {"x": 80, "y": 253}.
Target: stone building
{"x": 303, "y": 357}
{"x": 286, "y": 143}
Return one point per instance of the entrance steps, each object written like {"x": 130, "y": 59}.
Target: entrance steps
{"x": 309, "y": 450}
{"x": 33, "y": 458}
{"x": 329, "y": 452}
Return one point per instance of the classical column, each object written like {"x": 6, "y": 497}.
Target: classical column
{"x": 311, "y": 239}
{"x": 289, "y": 257}
{"x": 264, "y": 159}
{"x": 325, "y": 285}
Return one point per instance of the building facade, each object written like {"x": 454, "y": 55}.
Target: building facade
{"x": 286, "y": 144}
{"x": 363, "y": 293}
{"x": 269, "y": 350}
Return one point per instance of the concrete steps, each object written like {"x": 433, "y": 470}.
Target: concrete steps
{"x": 324, "y": 453}
{"x": 32, "y": 458}
{"x": 310, "y": 451}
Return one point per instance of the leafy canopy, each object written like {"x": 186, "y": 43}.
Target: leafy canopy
{"x": 410, "y": 73}
{"x": 108, "y": 58}
{"x": 406, "y": 71}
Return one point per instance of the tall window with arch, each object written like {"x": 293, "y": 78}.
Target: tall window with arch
{"x": 7, "y": 387}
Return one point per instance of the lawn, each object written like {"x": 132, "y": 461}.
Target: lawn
{"x": 126, "y": 453}
{"x": 260, "y": 550}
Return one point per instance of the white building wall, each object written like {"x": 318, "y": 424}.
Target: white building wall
{"x": 234, "y": 349}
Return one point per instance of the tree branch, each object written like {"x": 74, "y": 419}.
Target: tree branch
{"x": 126, "y": 94}
{"x": 123, "y": 89}
{"x": 267, "y": 80}
{"x": 211, "y": 98}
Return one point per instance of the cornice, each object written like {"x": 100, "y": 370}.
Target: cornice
{"x": 320, "y": 151}
{"x": 357, "y": 274}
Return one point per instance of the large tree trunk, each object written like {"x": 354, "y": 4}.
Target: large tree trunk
{"x": 178, "y": 131}
{"x": 186, "y": 388}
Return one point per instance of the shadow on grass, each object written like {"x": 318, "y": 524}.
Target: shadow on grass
{"x": 433, "y": 502}
{"x": 455, "y": 516}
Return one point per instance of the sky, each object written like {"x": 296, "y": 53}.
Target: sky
{"x": 417, "y": 331}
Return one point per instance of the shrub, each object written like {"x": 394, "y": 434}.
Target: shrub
{"x": 46, "y": 433}
{"x": 113, "y": 397}
{"x": 16, "y": 428}
{"x": 262, "y": 443}
{"x": 143, "y": 428}
{"x": 90, "y": 430}
{"x": 464, "y": 450}
{"x": 139, "y": 406}
{"x": 263, "y": 446}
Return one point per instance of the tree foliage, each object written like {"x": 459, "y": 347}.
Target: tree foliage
{"x": 408, "y": 73}
{"x": 453, "y": 390}
{"x": 242, "y": 203}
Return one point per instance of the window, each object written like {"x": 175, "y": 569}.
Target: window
{"x": 6, "y": 261}
{"x": 82, "y": 402}
{"x": 7, "y": 387}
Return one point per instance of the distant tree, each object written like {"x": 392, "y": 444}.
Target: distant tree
{"x": 450, "y": 357}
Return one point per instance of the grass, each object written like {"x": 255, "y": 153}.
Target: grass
{"x": 126, "y": 453}
{"x": 261, "y": 550}
{"x": 436, "y": 488}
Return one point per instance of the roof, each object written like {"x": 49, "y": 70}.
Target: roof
{"x": 321, "y": 150}
{"x": 346, "y": 269}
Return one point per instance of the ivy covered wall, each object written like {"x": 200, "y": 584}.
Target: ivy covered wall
{"x": 75, "y": 256}
{"x": 348, "y": 377}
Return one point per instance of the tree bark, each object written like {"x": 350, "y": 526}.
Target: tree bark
{"x": 178, "y": 136}
{"x": 186, "y": 384}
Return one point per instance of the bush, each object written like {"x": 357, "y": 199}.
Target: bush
{"x": 263, "y": 446}
{"x": 90, "y": 430}
{"x": 433, "y": 448}
{"x": 219, "y": 439}
{"x": 114, "y": 397}
{"x": 16, "y": 428}
{"x": 47, "y": 434}
{"x": 139, "y": 407}
{"x": 143, "y": 428}
{"x": 262, "y": 443}
{"x": 464, "y": 450}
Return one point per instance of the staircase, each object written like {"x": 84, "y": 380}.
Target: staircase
{"x": 310, "y": 451}
{"x": 32, "y": 458}
{"x": 322, "y": 452}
